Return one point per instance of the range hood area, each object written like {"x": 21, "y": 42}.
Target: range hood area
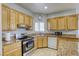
{"x": 23, "y": 26}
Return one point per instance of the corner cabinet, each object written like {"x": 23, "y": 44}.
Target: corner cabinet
{"x": 42, "y": 41}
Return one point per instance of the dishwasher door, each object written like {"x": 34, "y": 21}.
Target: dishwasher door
{"x": 52, "y": 42}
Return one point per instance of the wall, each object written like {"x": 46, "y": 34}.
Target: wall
{"x": 0, "y": 32}
{"x": 77, "y": 11}
{"x": 44, "y": 17}
{"x": 62, "y": 13}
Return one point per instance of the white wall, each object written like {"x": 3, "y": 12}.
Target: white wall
{"x": 62, "y": 13}
{"x": 0, "y": 32}
{"x": 44, "y": 19}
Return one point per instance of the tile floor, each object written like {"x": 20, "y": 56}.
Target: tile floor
{"x": 44, "y": 52}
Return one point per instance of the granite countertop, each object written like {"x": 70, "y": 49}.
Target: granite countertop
{"x": 45, "y": 34}
{"x": 13, "y": 40}
{"x": 52, "y": 35}
{"x": 69, "y": 36}
{"x": 10, "y": 42}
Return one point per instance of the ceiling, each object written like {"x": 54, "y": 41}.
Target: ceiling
{"x": 51, "y": 7}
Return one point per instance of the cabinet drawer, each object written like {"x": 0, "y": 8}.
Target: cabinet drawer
{"x": 16, "y": 52}
{"x": 16, "y": 45}
{"x": 6, "y": 48}
{"x": 11, "y": 47}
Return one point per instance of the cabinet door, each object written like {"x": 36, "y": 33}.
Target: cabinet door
{"x": 62, "y": 23}
{"x": 13, "y": 20}
{"x": 72, "y": 22}
{"x": 21, "y": 18}
{"x": 5, "y": 18}
{"x": 45, "y": 42}
{"x": 31, "y": 21}
{"x": 13, "y": 49}
{"x": 17, "y": 52}
{"x": 67, "y": 47}
{"x": 39, "y": 42}
{"x": 27, "y": 20}
{"x": 52, "y": 24}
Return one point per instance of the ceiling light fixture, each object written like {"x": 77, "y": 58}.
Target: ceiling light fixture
{"x": 45, "y": 7}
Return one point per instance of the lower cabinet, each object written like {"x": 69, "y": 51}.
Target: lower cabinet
{"x": 45, "y": 42}
{"x": 67, "y": 47}
{"x": 42, "y": 41}
{"x": 39, "y": 42}
{"x": 13, "y": 49}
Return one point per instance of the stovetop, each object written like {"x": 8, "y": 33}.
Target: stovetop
{"x": 25, "y": 38}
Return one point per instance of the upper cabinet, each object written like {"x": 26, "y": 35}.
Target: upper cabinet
{"x": 21, "y": 18}
{"x": 63, "y": 23}
{"x": 11, "y": 18}
{"x": 72, "y": 22}
{"x": 31, "y": 21}
{"x": 52, "y": 24}
{"x": 5, "y": 18}
{"x": 28, "y": 20}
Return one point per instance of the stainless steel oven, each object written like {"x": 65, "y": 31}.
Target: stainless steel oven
{"x": 27, "y": 45}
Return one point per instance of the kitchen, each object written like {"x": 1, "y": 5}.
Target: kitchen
{"x": 45, "y": 31}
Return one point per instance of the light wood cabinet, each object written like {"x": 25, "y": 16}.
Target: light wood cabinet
{"x": 35, "y": 43}
{"x": 42, "y": 41}
{"x": 62, "y": 24}
{"x": 45, "y": 41}
{"x": 67, "y": 47}
{"x": 39, "y": 42}
{"x": 13, "y": 49}
{"x": 52, "y": 24}
{"x": 5, "y": 18}
{"x": 31, "y": 21}
{"x": 21, "y": 18}
{"x": 13, "y": 19}
{"x": 72, "y": 22}
{"x": 27, "y": 20}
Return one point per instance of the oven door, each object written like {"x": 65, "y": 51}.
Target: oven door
{"x": 27, "y": 45}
